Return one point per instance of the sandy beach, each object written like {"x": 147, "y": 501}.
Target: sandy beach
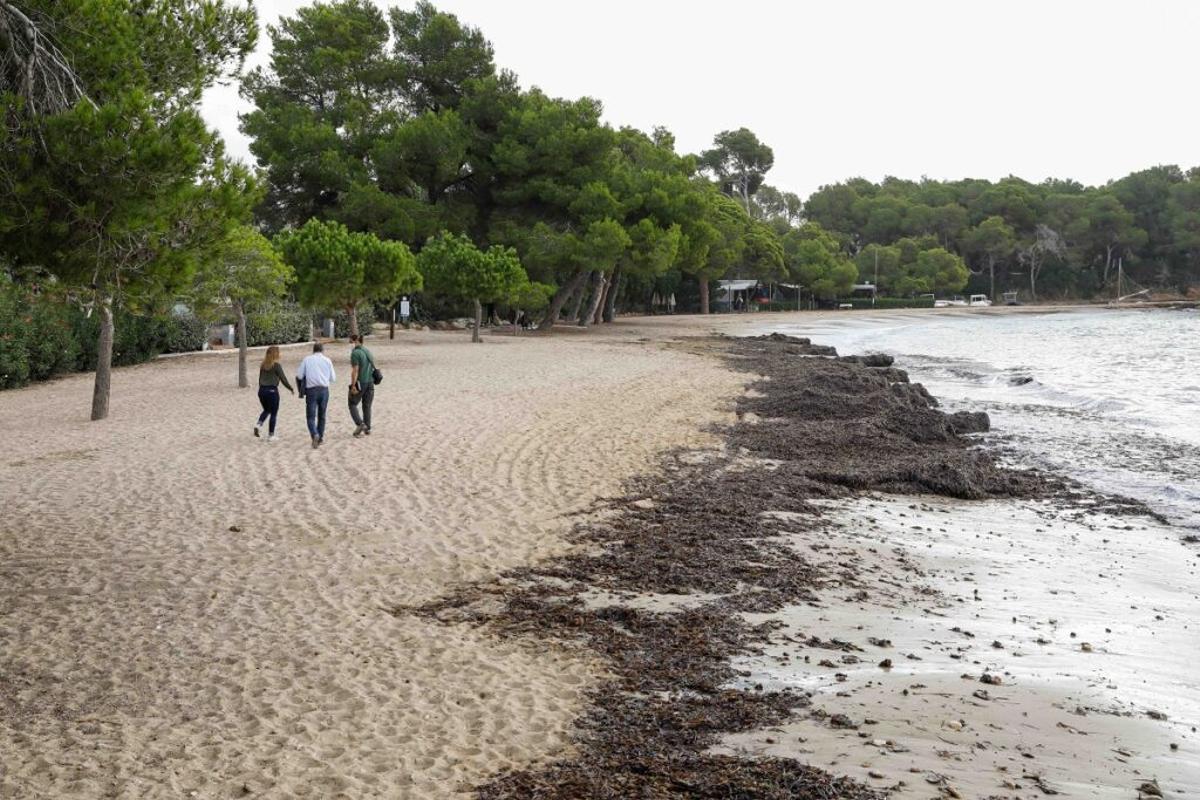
{"x": 188, "y": 611}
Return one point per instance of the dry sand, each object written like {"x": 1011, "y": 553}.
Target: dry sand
{"x": 186, "y": 610}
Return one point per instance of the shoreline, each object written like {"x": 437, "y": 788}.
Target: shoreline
{"x": 653, "y": 641}
{"x": 727, "y": 607}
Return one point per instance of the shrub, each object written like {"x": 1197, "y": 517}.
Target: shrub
{"x": 280, "y": 323}
{"x": 53, "y": 349}
{"x": 366, "y": 321}
{"x": 184, "y": 333}
{"x": 136, "y": 338}
{"x": 14, "y": 355}
{"x": 36, "y": 336}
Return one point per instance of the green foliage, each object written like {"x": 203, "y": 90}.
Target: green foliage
{"x": 117, "y": 194}
{"x": 337, "y": 269}
{"x": 243, "y": 270}
{"x": 364, "y": 316}
{"x": 278, "y": 323}
{"x": 330, "y": 90}
{"x": 880, "y": 264}
{"x": 935, "y": 270}
{"x": 455, "y": 268}
{"x": 1141, "y": 221}
{"x": 439, "y": 57}
{"x": 739, "y": 162}
{"x": 531, "y": 296}
{"x": 184, "y": 333}
{"x": 816, "y": 262}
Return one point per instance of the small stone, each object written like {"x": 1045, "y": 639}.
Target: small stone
{"x": 886, "y": 663}
{"x": 234, "y": 529}
{"x": 990, "y": 679}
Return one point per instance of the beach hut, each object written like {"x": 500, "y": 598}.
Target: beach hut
{"x": 735, "y": 294}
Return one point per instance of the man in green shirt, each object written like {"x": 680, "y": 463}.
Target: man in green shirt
{"x": 362, "y": 386}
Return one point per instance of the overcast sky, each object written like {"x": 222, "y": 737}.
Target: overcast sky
{"x": 843, "y": 88}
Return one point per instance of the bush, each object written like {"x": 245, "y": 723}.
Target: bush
{"x": 36, "y": 336}
{"x": 341, "y": 321}
{"x": 14, "y": 354}
{"x": 184, "y": 333}
{"x": 281, "y": 323}
{"x": 53, "y": 349}
{"x": 136, "y": 339}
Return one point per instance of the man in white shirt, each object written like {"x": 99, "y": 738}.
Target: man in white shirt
{"x": 316, "y": 375}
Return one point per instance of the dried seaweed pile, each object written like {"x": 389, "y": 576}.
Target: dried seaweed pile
{"x": 829, "y": 426}
{"x": 845, "y": 422}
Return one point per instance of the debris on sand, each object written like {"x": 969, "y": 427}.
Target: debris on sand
{"x": 825, "y": 427}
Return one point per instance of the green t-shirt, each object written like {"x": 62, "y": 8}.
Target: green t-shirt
{"x": 361, "y": 357}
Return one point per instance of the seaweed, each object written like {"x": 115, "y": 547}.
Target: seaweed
{"x": 822, "y": 427}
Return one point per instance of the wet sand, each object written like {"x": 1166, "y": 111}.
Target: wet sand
{"x": 1085, "y": 629}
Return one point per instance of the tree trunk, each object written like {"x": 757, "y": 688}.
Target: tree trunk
{"x": 392, "y": 323}
{"x": 577, "y": 302}
{"x": 560, "y": 299}
{"x": 478, "y": 321}
{"x": 104, "y": 354}
{"x": 593, "y": 309}
{"x": 1033, "y": 281}
{"x": 992, "y": 277}
{"x": 599, "y": 301}
{"x": 243, "y": 381}
{"x": 353, "y": 312}
{"x": 703, "y": 294}
{"x": 610, "y": 298}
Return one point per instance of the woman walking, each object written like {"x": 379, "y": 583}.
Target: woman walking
{"x": 270, "y": 374}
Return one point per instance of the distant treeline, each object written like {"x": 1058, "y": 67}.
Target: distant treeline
{"x": 1056, "y": 238}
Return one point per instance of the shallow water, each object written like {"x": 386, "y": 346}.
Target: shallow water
{"x": 1109, "y": 397}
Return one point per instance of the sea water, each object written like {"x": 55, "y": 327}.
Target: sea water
{"x": 1108, "y": 397}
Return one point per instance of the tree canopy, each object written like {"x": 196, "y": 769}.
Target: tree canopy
{"x": 451, "y": 265}
{"x": 340, "y": 269}
{"x": 116, "y": 188}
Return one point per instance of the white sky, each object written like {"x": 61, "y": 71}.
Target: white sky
{"x": 843, "y": 88}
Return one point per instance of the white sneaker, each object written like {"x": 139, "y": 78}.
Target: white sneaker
{"x": 272, "y": 438}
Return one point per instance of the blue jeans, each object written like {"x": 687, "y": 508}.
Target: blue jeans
{"x": 269, "y": 397}
{"x": 316, "y": 400}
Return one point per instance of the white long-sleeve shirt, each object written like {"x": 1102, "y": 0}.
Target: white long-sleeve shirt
{"x": 316, "y": 370}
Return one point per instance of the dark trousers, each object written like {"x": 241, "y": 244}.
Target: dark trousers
{"x": 366, "y": 396}
{"x": 316, "y": 400}
{"x": 268, "y": 396}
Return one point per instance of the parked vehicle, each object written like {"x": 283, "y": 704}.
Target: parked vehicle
{"x": 980, "y": 300}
